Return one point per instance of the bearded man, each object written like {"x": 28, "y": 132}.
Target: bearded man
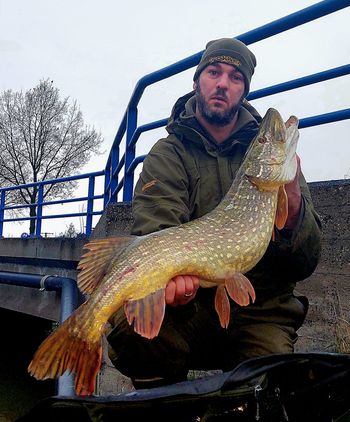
{"x": 185, "y": 176}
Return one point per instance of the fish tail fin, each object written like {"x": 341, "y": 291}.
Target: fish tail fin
{"x": 65, "y": 350}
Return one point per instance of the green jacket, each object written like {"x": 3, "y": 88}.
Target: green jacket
{"x": 186, "y": 175}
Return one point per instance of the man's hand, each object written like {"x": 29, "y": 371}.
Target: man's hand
{"x": 294, "y": 199}
{"x": 181, "y": 289}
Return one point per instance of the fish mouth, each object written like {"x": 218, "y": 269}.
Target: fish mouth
{"x": 273, "y": 123}
{"x": 271, "y": 162}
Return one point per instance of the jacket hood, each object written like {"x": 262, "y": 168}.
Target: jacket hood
{"x": 183, "y": 123}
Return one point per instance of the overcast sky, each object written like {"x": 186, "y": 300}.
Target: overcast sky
{"x": 96, "y": 51}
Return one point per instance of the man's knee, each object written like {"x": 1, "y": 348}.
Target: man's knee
{"x": 262, "y": 339}
{"x": 165, "y": 356}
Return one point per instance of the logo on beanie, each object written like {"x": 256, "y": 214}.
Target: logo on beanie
{"x": 225, "y": 59}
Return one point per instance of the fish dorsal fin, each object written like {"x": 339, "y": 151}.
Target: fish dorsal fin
{"x": 93, "y": 264}
{"x": 222, "y": 306}
{"x": 282, "y": 208}
{"x": 240, "y": 289}
{"x": 147, "y": 313}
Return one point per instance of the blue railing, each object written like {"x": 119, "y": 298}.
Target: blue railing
{"x": 119, "y": 170}
{"x": 128, "y": 126}
{"x": 40, "y": 204}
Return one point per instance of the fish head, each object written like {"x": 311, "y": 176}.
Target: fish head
{"x": 271, "y": 159}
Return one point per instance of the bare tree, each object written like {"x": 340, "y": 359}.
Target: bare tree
{"x": 42, "y": 137}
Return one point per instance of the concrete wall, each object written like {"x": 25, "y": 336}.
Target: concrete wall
{"x": 328, "y": 289}
{"x": 37, "y": 256}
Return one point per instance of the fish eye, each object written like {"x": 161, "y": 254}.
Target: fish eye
{"x": 262, "y": 140}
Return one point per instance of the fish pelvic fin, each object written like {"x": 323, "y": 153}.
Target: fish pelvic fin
{"x": 239, "y": 289}
{"x": 282, "y": 208}
{"x": 94, "y": 264}
{"x": 65, "y": 351}
{"x": 222, "y": 306}
{"x": 146, "y": 314}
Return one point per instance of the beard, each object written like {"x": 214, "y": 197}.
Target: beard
{"x": 218, "y": 118}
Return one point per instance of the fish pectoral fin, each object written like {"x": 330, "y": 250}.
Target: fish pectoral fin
{"x": 94, "y": 264}
{"x": 147, "y": 313}
{"x": 222, "y": 306}
{"x": 282, "y": 208}
{"x": 240, "y": 289}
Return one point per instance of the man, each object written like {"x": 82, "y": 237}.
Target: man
{"x": 184, "y": 177}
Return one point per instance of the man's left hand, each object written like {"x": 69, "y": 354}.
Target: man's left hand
{"x": 181, "y": 289}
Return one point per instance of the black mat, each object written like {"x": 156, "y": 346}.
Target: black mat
{"x": 285, "y": 387}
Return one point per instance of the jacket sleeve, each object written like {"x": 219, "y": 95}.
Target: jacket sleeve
{"x": 161, "y": 193}
{"x": 294, "y": 254}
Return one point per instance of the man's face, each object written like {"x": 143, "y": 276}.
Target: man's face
{"x": 220, "y": 92}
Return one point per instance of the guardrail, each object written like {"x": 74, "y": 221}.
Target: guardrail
{"x": 114, "y": 182}
{"x": 40, "y": 204}
{"x": 128, "y": 161}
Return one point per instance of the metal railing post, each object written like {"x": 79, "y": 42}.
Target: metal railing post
{"x": 2, "y": 211}
{"x": 114, "y": 173}
{"x": 90, "y": 205}
{"x": 39, "y": 211}
{"x": 129, "y": 154}
{"x": 107, "y": 182}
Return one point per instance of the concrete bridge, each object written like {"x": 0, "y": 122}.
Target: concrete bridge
{"x": 28, "y": 314}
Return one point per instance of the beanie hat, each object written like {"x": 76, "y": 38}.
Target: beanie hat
{"x": 230, "y": 51}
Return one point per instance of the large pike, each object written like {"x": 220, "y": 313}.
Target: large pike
{"x": 219, "y": 248}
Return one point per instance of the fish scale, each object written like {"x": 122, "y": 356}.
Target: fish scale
{"x": 218, "y": 248}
